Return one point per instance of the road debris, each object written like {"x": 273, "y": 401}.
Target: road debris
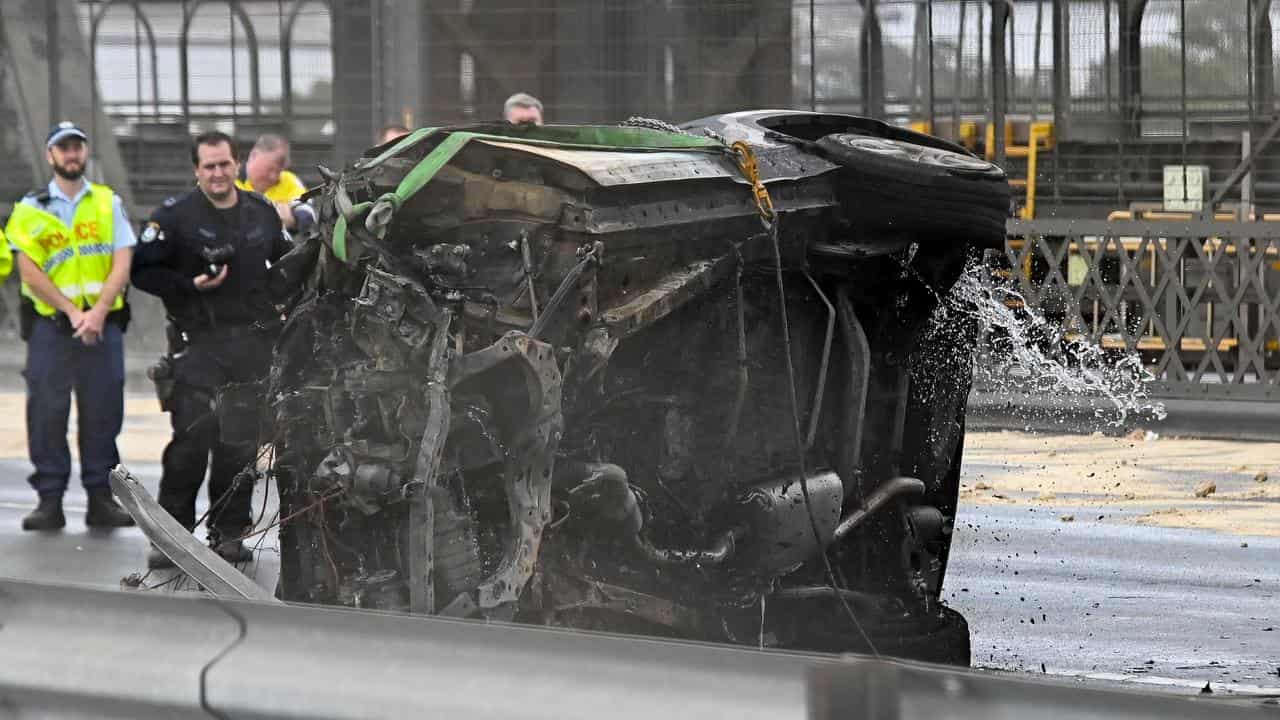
{"x": 1205, "y": 489}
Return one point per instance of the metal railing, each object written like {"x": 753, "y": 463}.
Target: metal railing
{"x": 1199, "y": 301}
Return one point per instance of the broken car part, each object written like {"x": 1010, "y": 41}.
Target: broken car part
{"x": 538, "y": 374}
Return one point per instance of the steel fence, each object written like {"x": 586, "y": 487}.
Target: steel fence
{"x": 1199, "y": 302}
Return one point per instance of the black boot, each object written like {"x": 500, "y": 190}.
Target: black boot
{"x": 233, "y": 551}
{"x": 157, "y": 560}
{"x": 47, "y": 515}
{"x": 104, "y": 512}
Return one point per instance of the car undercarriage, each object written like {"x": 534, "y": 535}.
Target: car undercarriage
{"x": 586, "y": 376}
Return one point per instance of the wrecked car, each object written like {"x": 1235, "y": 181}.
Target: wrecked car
{"x": 684, "y": 381}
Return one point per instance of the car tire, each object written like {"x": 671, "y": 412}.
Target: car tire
{"x": 891, "y": 184}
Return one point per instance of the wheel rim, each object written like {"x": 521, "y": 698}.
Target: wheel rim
{"x": 902, "y": 150}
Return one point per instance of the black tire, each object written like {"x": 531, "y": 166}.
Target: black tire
{"x": 939, "y": 636}
{"x": 934, "y": 193}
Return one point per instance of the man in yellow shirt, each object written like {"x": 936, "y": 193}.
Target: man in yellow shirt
{"x": 265, "y": 173}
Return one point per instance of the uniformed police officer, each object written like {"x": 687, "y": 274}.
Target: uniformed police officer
{"x": 73, "y": 245}
{"x": 206, "y": 255}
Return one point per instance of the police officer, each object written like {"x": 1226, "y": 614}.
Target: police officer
{"x": 206, "y": 255}
{"x": 73, "y": 245}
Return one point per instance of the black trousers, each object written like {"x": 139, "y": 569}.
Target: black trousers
{"x": 198, "y": 373}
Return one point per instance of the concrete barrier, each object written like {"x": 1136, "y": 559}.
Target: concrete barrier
{"x": 75, "y": 652}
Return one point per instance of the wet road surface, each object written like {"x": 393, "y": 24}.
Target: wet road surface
{"x": 1096, "y": 599}
{"x": 98, "y": 558}
{"x": 1109, "y": 599}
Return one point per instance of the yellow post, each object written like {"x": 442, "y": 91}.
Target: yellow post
{"x": 1039, "y": 131}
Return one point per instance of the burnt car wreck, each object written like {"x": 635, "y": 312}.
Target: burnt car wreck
{"x": 585, "y": 376}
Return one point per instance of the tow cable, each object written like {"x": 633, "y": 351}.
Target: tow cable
{"x": 750, "y": 169}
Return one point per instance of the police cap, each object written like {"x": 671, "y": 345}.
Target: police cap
{"x": 62, "y": 131}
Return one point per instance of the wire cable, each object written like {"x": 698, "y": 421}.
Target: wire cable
{"x": 799, "y": 437}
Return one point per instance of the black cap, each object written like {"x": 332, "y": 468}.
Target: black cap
{"x": 62, "y": 131}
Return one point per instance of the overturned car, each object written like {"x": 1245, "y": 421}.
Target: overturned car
{"x": 674, "y": 381}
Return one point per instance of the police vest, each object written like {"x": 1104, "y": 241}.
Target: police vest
{"x": 6, "y": 258}
{"x": 78, "y": 258}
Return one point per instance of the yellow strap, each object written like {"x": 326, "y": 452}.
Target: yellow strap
{"x": 747, "y": 163}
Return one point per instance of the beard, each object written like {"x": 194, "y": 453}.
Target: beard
{"x": 68, "y": 173}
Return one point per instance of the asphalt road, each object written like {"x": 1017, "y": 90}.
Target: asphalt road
{"x": 98, "y": 558}
{"x": 1111, "y": 600}
{"x": 1100, "y": 600}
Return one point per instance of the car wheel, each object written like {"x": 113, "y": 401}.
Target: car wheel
{"x": 890, "y": 184}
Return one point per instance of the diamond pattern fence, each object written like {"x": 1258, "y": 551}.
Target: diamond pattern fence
{"x": 1198, "y": 302}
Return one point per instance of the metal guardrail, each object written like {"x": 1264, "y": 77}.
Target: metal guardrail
{"x": 1199, "y": 301}
{"x": 77, "y": 652}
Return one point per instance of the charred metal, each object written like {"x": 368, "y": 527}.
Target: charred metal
{"x": 539, "y": 374}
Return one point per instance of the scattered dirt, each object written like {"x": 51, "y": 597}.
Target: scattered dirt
{"x": 146, "y": 429}
{"x": 1134, "y": 478}
{"x": 1134, "y": 473}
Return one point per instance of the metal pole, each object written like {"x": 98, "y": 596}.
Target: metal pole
{"x": 1060, "y": 79}
{"x": 137, "y": 62}
{"x": 184, "y": 68}
{"x": 1182, "y": 46}
{"x": 1248, "y": 52}
{"x": 1035, "y": 62}
{"x": 917, "y": 30}
{"x": 93, "y": 69}
{"x": 1060, "y": 89}
{"x": 286, "y": 69}
{"x": 929, "y": 30}
{"x": 1011, "y": 88}
{"x": 999, "y": 77}
{"x": 235, "y": 92}
{"x": 55, "y": 64}
{"x": 1106, "y": 63}
{"x": 958, "y": 85}
{"x": 872, "y": 62}
{"x": 982, "y": 55}
{"x": 813, "y": 61}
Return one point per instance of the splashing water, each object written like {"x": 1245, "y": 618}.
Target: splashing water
{"x": 1021, "y": 353}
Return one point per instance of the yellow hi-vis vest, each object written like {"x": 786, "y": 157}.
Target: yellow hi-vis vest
{"x": 6, "y": 258}
{"x": 78, "y": 258}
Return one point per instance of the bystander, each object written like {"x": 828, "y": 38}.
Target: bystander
{"x": 522, "y": 108}
{"x": 266, "y": 171}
